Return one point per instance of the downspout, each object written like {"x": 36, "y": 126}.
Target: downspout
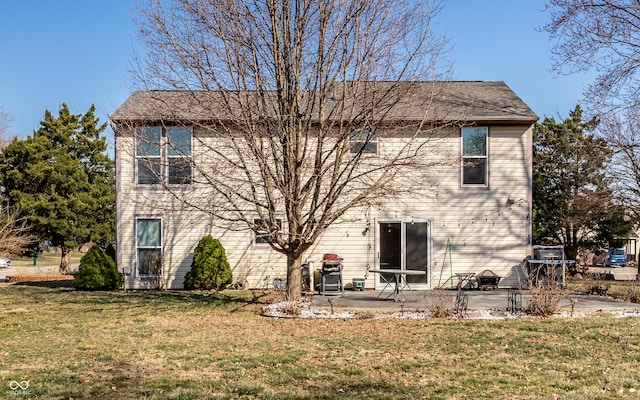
{"x": 529, "y": 220}
{"x": 450, "y": 261}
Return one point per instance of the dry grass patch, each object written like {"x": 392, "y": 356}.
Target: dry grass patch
{"x": 200, "y": 345}
{"x": 624, "y": 290}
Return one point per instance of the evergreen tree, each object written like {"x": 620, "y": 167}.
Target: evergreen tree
{"x": 573, "y": 202}
{"x": 63, "y": 181}
{"x": 210, "y": 268}
{"x": 97, "y": 272}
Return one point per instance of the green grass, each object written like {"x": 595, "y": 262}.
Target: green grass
{"x": 193, "y": 345}
{"x": 617, "y": 289}
{"x": 44, "y": 259}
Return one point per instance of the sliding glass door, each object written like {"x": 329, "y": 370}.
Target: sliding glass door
{"x": 404, "y": 245}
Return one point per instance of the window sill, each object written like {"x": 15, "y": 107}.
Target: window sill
{"x": 474, "y": 187}
{"x": 161, "y": 187}
{"x": 147, "y": 277}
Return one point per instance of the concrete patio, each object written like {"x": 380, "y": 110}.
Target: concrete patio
{"x": 477, "y": 300}
{"x": 376, "y": 301}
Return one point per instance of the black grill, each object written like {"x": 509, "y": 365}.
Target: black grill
{"x": 331, "y": 275}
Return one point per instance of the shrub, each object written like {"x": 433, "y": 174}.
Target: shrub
{"x": 633, "y": 294}
{"x": 545, "y": 302}
{"x": 210, "y": 269}
{"x": 111, "y": 251}
{"x": 155, "y": 271}
{"x": 97, "y": 271}
{"x": 598, "y": 289}
{"x": 439, "y": 305}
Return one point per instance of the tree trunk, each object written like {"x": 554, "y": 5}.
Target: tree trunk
{"x": 65, "y": 261}
{"x": 294, "y": 277}
{"x": 570, "y": 243}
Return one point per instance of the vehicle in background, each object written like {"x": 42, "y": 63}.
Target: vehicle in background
{"x": 5, "y": 262}
{"x": 616, "y": 257}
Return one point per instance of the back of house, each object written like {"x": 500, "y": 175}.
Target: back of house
{"x": 469, "y": 213}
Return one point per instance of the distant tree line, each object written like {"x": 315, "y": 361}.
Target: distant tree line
{"x": 574, "y": 203}
{"x": 601, "y": 36}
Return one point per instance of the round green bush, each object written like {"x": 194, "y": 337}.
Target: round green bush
{"x": 97, "y": 271}
{"x": 210, "y": 269}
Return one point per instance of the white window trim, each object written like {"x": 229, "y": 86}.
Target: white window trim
{"x": 164, "y": 157}
{"x": 374, "y": 138}
{"x": 182, "y": 157}
{"x": 137, "y": 273}
{"x": 256, "y": 234}
{"x": 485, "y": 157}
{"x": 142, "y": 158}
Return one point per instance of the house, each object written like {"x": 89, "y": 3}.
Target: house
{"x": 473, "y": 214}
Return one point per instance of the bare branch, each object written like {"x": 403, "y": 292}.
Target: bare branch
{"x": 5, "y": 122}
{"x": 15, "y": 235}
{"x": 289, "y": 102}
{"x": 602, "y": 36}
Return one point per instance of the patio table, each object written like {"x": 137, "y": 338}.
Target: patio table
{"x": 397, "y": 284}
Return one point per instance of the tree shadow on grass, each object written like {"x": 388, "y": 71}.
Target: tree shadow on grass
{"x": 54, "y": 284}
{"x": 230, "y": 300}
{"x": 233, "y": 300}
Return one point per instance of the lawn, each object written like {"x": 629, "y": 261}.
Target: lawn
{"x": 44, "y": 259}
{"x": 190, "y": 345}
{"x": 624, "y": 290}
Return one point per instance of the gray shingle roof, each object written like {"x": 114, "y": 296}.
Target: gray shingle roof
{"x": 477, "y": 101}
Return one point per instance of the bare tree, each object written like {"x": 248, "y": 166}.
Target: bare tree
{"x": 5, "y": 122}
{"x": 300, "y": 93}
{"x": 15, "y": 235}
{"x": 623, "y": 135}
{"x": 602, "y": 36}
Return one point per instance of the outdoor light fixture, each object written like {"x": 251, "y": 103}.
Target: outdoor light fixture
{"x": 366, "y": 229}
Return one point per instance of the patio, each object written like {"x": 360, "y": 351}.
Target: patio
{"x": 478, "y": 301}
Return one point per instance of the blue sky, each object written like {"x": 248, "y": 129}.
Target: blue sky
{"x": 78, "y": 52}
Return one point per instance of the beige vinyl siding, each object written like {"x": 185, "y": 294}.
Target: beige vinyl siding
{"x": 484, "y": 232}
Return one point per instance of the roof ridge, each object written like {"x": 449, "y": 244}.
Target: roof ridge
{"x": 438, "y": 100}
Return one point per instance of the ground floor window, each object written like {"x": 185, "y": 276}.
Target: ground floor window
{"x": 363, "y": 142}
{"x": 149, "y": 246}
{"x": 263, "y": 234}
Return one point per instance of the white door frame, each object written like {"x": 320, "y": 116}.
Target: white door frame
{"x": 403, "y": 256}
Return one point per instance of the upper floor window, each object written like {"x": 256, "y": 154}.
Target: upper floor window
{"x": 363, "y": 142}
{"x": 163, "y": 154}
{"x": 148, "y": 155}
{"x": 475, "y": 157}
{"x": 179, "y": 156}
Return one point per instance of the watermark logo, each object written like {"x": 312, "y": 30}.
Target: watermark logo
{"x": 19, "y": 388}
